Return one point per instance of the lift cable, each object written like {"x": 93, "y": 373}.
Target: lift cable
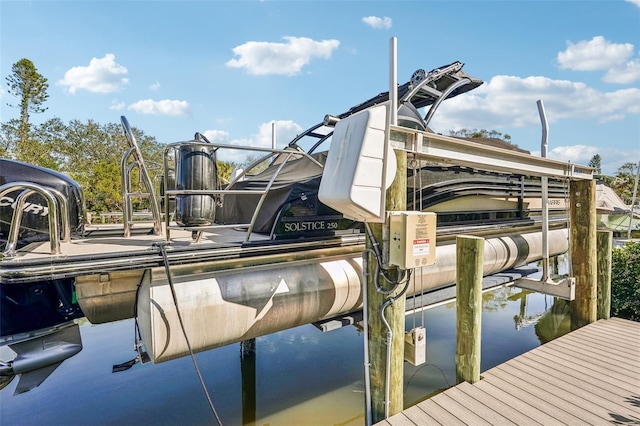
{"x": 162, "y": 247}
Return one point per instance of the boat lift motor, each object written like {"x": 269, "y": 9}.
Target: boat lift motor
{"x": 412, "y": 244}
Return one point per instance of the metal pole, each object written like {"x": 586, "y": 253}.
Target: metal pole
{"x": 393, "y": 79}
{"x": 365, "y": 327}
{"x": 545, "y": 194}
{"x": 274, "y": 132}
{"x": 633, "y": 201}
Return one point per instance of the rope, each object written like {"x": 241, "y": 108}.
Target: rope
{"x": 162, "y": 247}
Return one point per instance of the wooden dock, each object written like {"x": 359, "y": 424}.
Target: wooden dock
{"x": 590, "y": 376}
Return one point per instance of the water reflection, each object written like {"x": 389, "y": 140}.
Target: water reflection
{"x": 300, "y": 376}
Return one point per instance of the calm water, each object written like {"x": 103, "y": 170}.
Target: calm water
{"x": 302, "y": 376}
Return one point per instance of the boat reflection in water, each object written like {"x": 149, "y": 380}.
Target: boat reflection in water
{"x": 298, "y": 376}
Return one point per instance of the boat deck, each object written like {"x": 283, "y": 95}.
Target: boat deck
{"x": 588, "y": 376}
{"x": 105, "y": 249}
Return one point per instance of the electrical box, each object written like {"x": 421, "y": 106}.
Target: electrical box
{"x": 412, "y": 239}
{"x": 415, "y": 346}
{"x": 359, "y": 166}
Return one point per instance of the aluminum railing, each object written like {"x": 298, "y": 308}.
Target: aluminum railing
{"x": 286, "y": 155}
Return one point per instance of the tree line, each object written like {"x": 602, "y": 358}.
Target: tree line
{"x": 90, "y": 152}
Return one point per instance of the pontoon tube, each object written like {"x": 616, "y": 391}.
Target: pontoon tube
{"x": 219, "y": 308}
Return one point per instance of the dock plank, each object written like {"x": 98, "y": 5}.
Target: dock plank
{"x": 533, "y": 396}
{"x": 590, "y": 391}
{"x": 588, "y": 376}
{"x": 463, "y": 413}
{"x": 602, "y": 353}
{"x": 400, "y": 419}
{"x": 565, "y": 402}
{"x": 515, "y": 400}
{"x": 484, "y": 411}
{"x": 496, "y": 405}
{"x": 577, "y": 371}
{"x": 441, "y": 415}
{"x": 612, "y": 375}
{"x": 420, "y": 417}
{"x": 624, "y": 350}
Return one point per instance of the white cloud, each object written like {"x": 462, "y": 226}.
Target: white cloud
{"x": 155, "y": 86}
{"x": 624, "y": 74}
{"x": 101, "y": 76}
{"x": 595, "y": 54}
{"x": 579, "y": 154}
{"x": 116, "y": 105}
{"x": 286, "y": 130}
{"x": 610, "y": 159}
{"x": 163, "y": 107}
{"x": 264, "y": 58}
{"x": 636, "y": 2}
{"x": 507, "y": 102}
{"x": 601, "y": 54}
{"x": 216, "y": 136}
{"x": 378, "y": 23}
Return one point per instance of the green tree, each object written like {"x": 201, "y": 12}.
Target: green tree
{"x": 625, "y": 281}
{"x": 9, "y": 137}
{"x": 28, "y": 85}
{"x": 624, "y": 180}
{"x": 482, "y": 133}
{"x": 595, "y": 163}
{"x": 91, "y": 153}
{"x": 224, "y": 171}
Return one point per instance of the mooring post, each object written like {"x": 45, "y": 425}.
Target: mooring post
{"x": 469, "y": 265}
{"x": 583, "y": 252}
{"x": 605, "y": 244}
{"x": 396, "y": 199}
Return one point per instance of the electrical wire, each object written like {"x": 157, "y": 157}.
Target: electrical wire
{"x": 163, "y": 251}
{"x": 380, "y": 270}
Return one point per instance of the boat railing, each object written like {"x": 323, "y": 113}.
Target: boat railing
{"x": 55, "y": 200}
{"x": 277, "y": 159}
{"x": 131, "y": 159}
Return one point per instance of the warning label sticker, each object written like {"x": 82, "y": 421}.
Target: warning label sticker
{"x": 421, "y": 247}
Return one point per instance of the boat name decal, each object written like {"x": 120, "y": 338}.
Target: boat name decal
{"x": 32, "y": 208}
{"x": 316, "y": 225}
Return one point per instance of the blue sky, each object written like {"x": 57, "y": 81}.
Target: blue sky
{"x": 228, "y": 69}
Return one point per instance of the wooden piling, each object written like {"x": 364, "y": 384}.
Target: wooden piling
{"x": 604, "y": 246}
{"x": 396, "y": 199}
{"x": 469, "y": 265}
{"x": 583, "y": 252}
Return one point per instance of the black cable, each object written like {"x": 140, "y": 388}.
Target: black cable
{"x": 162, "y": 247}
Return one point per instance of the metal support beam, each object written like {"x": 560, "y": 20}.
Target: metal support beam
{"x": 564, "y": 288}
{"x": 445, "y": 149}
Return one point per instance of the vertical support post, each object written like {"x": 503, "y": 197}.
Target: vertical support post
{"x": 248, "y": 378}
{"x": 604, "y": 246}
{"x": 396, "y": 199}
{"x": 469, "y": 265}
{"x": 583, "y": 252}
{"x": 633, "y": 201}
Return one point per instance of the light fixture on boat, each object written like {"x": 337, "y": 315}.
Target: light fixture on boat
{"x": 330, "y": 120}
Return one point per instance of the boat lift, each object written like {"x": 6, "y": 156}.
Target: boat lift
{"x": 565, "y": 287}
